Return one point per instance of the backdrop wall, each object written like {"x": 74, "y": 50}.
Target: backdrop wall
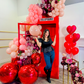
{"x": 8, "y": 22}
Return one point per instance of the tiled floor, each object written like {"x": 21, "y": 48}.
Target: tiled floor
{"x": 53, "y": 81}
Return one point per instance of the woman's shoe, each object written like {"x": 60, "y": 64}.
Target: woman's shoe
{"x": 45, "y": 71}
{"x": 48, "y": 76}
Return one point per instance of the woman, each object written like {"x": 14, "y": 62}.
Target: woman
{"x": 45, "y": 42}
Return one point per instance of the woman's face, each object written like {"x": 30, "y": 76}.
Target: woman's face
{"x": 47, "y": 34}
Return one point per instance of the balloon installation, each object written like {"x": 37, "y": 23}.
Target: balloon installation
{"x": 71, "y": 40}
{"x": 25, "y": 57}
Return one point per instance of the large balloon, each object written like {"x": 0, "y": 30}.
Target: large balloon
{"x": 27, "y": 74}
{"x": 71, "y": 29}
{"x": 8, "y": 73}
{"x": 76, "y": 37}
{"x": 34, "y": 30}
{"x": 69, "y": 38}
{"x": 75, "y": 51}
{"x": 36, "y": 58}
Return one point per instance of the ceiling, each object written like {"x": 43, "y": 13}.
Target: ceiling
{"x": 68, "y": 2}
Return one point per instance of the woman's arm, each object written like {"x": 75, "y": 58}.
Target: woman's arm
{"x": 54, "y": 42}
{"x": 37, "y": 41}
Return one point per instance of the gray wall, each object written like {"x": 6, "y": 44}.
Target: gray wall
{"x": 68, "y": 2}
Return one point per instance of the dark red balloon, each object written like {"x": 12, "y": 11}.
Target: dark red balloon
{"x": 28, "y": 74}
{"x": 71, "y": 29}
{"x": 76, "y": 37}
{"x": 75, "y": 50}
{"x": 68, "y": 50}
{"x": 36, "y": 58}
{"x": 8, "y": 73}
{"x": 69, "y": 38}
{"x": 67, "y": 45}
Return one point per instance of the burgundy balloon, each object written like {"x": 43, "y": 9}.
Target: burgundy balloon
{"x": 8, "y": 73}
{"x": 71, "y": 29}
{"x": 76, "y": 37}
{"x": 28, "y": 74}
{"x": 36, "y": 58}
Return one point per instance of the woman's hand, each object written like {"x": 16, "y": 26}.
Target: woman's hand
{"x": 34, "y": 37}
{"x": 54, "y": 42}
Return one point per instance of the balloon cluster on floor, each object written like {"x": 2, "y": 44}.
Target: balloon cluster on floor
{"x": 25, "y": 58}
{"x": 71, "y": 40}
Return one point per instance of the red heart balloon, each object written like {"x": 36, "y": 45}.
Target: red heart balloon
{"x": 71, "y": 29}
{"x": 76, "y": 37}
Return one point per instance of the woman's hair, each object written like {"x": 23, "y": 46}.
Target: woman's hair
{"x": 44, "y": 34}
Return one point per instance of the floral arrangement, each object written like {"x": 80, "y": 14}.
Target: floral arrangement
{"x": 76, "y": 74}
{"x": 52, "y": 8}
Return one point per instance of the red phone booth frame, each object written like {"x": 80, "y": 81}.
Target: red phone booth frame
{"x": 53, "y": 26}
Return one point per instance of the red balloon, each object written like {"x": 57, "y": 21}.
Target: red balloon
{"x": 69, "y": 38}
{"x": 28, "y": 74}
{"x": 73, "y": 44}
{"x": 76, "y": 37}
{"x": 68, "y": 50}
{"x": 67, "y": 45}
{"x": 8, "y": 73}
{"x": 71, "y": 29}
{"x": 36, "y": 58}
{"x": 75, "y": 51}
{"x": 15, "y": 61}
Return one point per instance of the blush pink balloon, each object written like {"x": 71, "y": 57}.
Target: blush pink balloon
{"x": 22, "y": 41}
{"x": 53, "y": 3}
{"x": 13, "y": 55}
{"x": 40, "y": 27}
{"x": 56, "y": 9}
{"x": 8, "y": 51}
{"x": 50, "y": 14}
{"x": 22, "y": 47}
{"x": 53, "y": 11}
{"x": 15, "y": 39}
{"x": 63, "y": 1}
{"x": 53, "y": 15}
{"x": 63, "y": 6}
{"x": 16, "y": 43}
{"x": 34, "y": 30}
{"x": 11, "y": 43}
{"x": 61, "y": 14}
{"x": 60, "y": 2}
{"x": 59, "y": 6}
{"x": 61, "y": 9}
{"x": 57, "y": 13}
{"x": 14, "y": 48}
